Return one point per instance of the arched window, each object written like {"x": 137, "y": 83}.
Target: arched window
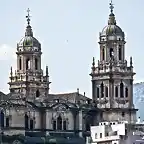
{"x": 106, "y": 91}
{"x": 121, "y": 90}
{"x": 2, "y": 118}
{"x": 37, "y": 93}
{"x": 111, "y": 52}
{"x": 97, "y": 92}
{"x": 87, "y": 126}
{"x": 116, "y": 91}
{"x": 27, "y": 64}
{"x": 36, "y": 63}
{"x": 31, "y": 124}
{"x": 20, "y": 64}
{"x": 59, "y": 123}
{"x": 103, "y": 54}
{"x": 26, "y": 121}
{"x": 120, "y": 52}
{"x": 126, "y": 92}
{"x": 64, "y": 125}
{"x": 54, "y": 125}
{"x": 102, "y": 90}
{"x": 7, "y": 121}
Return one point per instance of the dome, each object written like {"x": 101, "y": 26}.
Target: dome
{"x": 28, "y": 41}
{"x": 112, "y": 30}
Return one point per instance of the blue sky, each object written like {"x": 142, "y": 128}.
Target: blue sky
{"x": 69, "y": 33}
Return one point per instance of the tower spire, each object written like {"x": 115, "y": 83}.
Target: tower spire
{"x": 28, "y": 28}
{"x": 28, "y": 16}
{"x": 111, "y": 7}
{"x": 111, "y": 20}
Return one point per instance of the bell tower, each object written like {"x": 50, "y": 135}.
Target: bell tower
{"x": 112, "y": 78}
{"x": 28, "y": 81}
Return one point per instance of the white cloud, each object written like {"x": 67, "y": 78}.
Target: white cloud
{"x": 7, "y": 59}
{"x": 7, "y": 52}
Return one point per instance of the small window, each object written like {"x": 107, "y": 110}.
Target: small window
{"x": 95, "y": 135}
{"x": 102, "y": 90}
{"x": 64, "y": 125}
{"x": 107, "y": 134}
{"x": 7, "y": 122}
{"x": 20, "y": 64}
{"x": 100, "y": 135}
{"x": 27, "y": 64}
{"x": 126, "y": 92}
{"x": 103, "y": 54}
{"x": 120, "y": 52}
{"x": 97, "y": 92}
{"x": 111, "y": 53}
{"x": 121, "y": 90}
{"x": 123, "y": 114}
{"x": 54, "y": 125}
{"x": 31, "y": 124}
{"x": 37, "y": 93}
{"x": 116, "y": 91}
{"x": 36, "y": 63}
{"x": 106, "y": 91}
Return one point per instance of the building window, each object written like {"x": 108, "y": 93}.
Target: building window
{"x": 59, "y": 123}
{"x": 26, "y": 121}
{"x": 102, "y": 90}
{"x": 95, "y": 135}
{"x": 126, "y": 92}
{"x": 20, "y": 64}
{"x": 2, "y": 119}
{"x": 7, "y": 121}
{"x": 27, "y": 64}
{"x": 54, "y": 125}
{"x": 103, "y": 54}
{"x": 106, "y": 91}
{"x": 123, "y": 114}
{"x": 121, "y": 90}
{"x": 36, "y": 63}
{"x": 64, "y": 125}
{"x": 100, "y": 135}
{"x": 87, "y": 126}
{"x": 37, "y": 93}
{"x": 116, "y": 91}
{"x": 111, "y": 53}
{"x": 31, "y": 124}
{"x": 97, "y": 92}
{"x": 120, "y": 52}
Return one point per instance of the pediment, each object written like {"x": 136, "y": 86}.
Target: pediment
{"x": 60, "y": 107}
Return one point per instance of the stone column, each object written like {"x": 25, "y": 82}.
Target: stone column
{"x": 48, "y": 121}
{"x": 80, "y": 123}
{"x": 93, "y": 90}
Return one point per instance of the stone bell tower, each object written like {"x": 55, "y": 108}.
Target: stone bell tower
{"x": 112, "y": 79}
{"x": 28, "y": 80}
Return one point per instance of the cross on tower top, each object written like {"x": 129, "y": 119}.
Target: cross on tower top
{"x": 111, "y": 6}
{"x": 28, "y": 16}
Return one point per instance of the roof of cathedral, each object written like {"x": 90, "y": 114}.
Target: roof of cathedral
{"x": 74, "y": 96}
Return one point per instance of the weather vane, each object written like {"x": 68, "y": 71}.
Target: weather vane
{"x": 111, "y": 6}
{"x": 28, "y": 16}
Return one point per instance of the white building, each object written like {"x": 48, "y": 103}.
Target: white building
{"x": 115, "y": 133}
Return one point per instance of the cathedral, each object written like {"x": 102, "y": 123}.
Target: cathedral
{"x": 30, "y": 110}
